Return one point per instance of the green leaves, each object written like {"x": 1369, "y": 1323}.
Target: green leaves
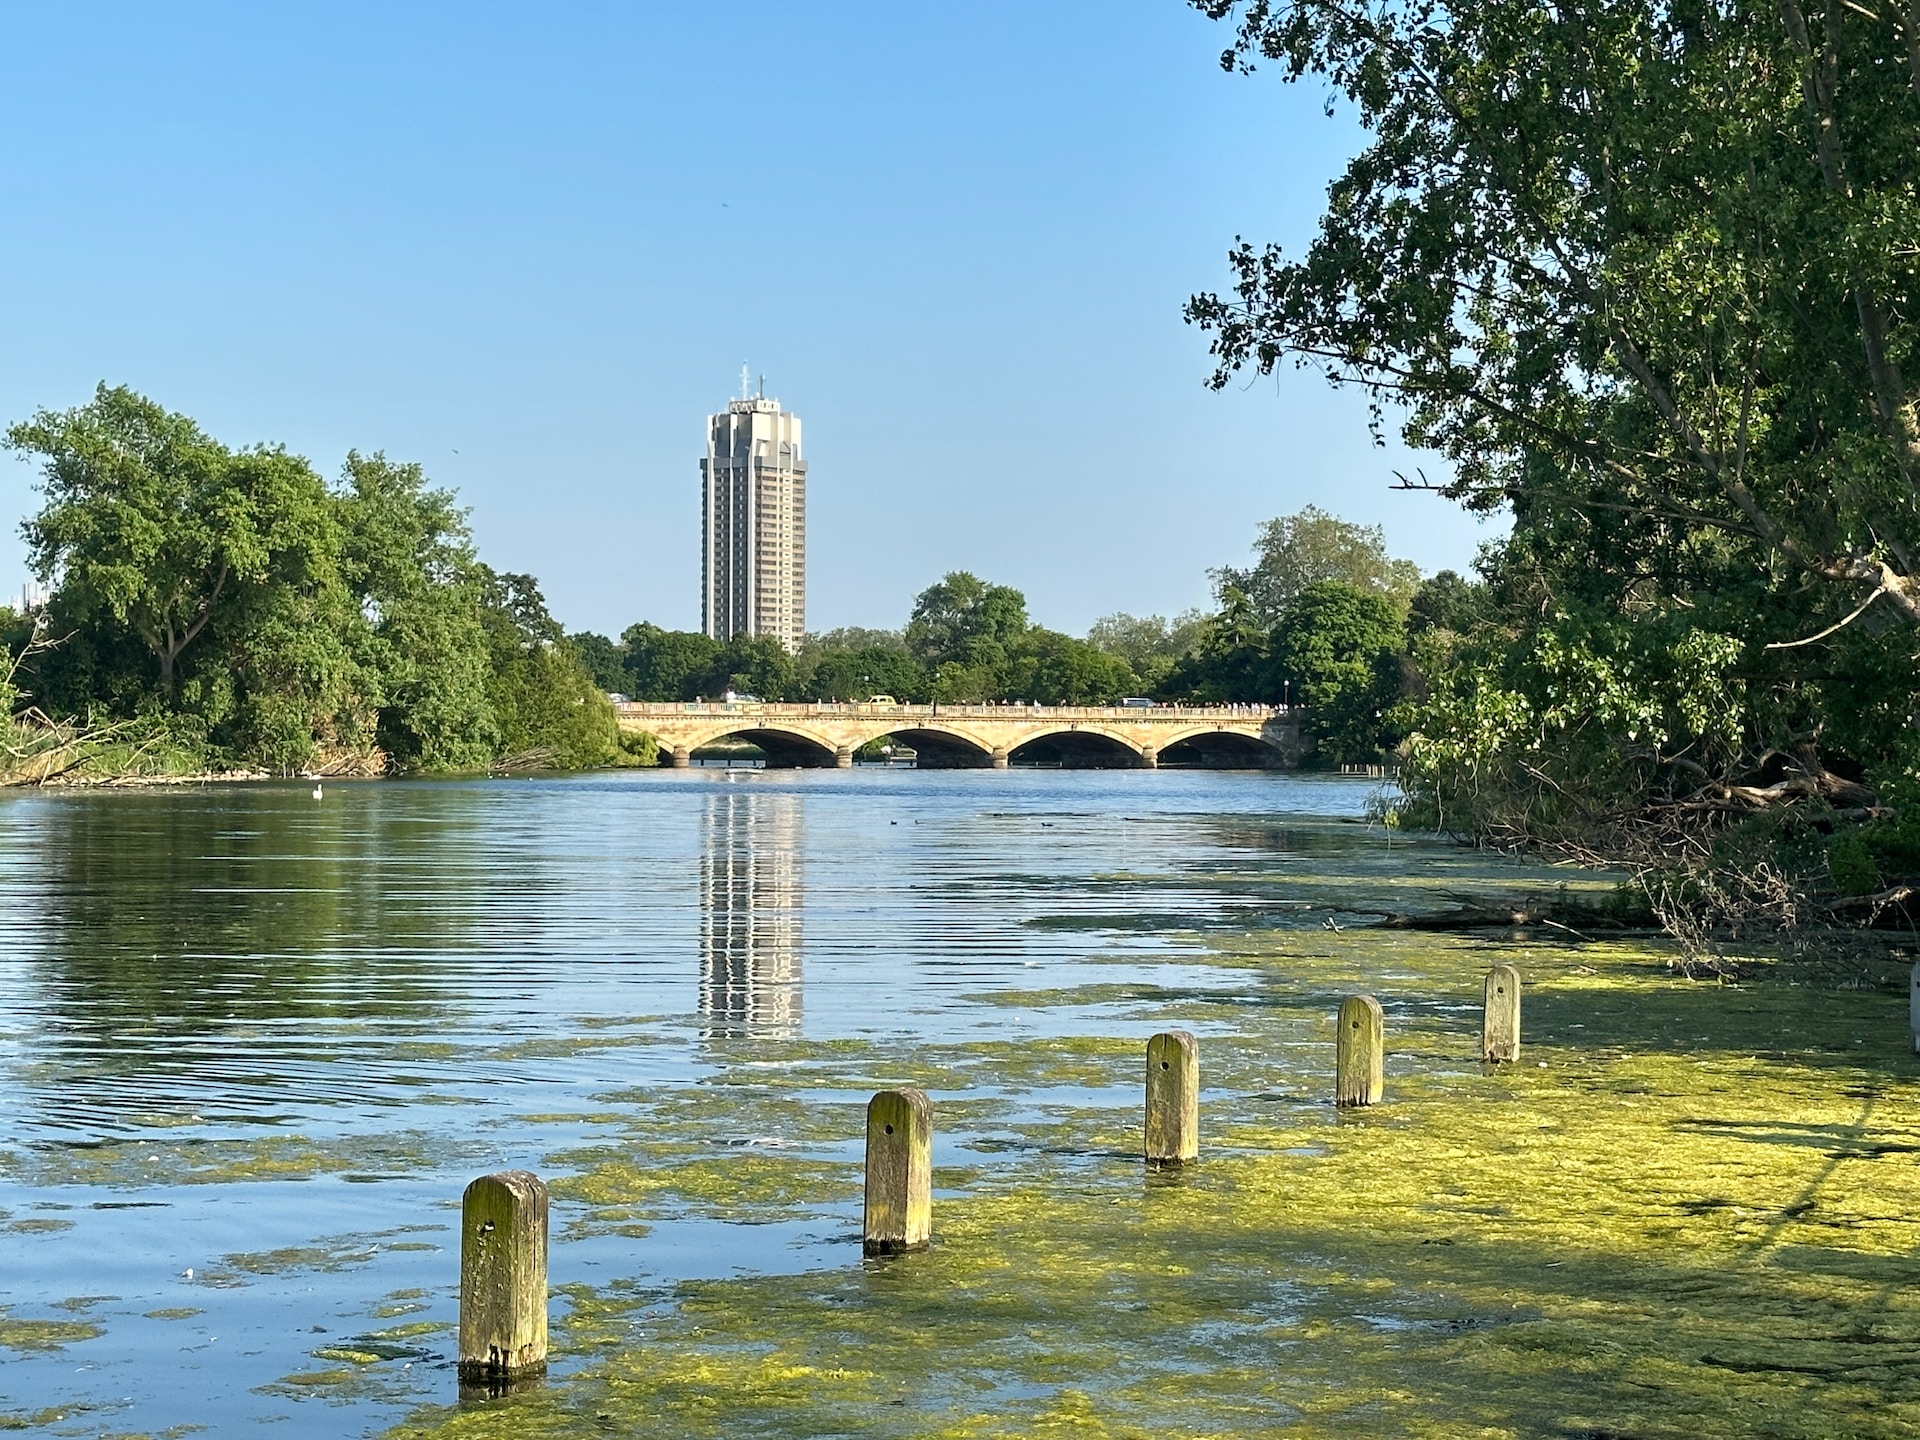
{"x": 1645, "y": 276}
{"x": 1337, "y": 648}
{"x": 963, "y": 620}
{"x": 1301, "y": 550}
{"x": 237, "y": 596}
{"x": 1600, "y": 258}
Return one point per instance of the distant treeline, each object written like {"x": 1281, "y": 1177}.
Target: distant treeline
{"x": 1324, "y": 617}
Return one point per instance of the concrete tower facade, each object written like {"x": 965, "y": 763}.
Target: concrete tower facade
{"x": 753, "y": 481}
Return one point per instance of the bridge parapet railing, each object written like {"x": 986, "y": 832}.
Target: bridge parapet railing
{"x": 954, "y": 712}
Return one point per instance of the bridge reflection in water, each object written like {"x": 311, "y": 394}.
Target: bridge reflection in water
{"x": 751, "y": 892}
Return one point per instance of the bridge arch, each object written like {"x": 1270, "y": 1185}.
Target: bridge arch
{"x": 1077, "y": 747}
{"x": 942, "y": 747}
{"x": 1214, "y": 748}
{"x": 788, "y": 747}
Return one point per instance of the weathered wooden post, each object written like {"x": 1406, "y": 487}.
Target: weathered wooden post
{"x": 899, "y": 1212}
{"x": 1500, "y": 1015}
{"x": 1359, "y": 1075}
{"x": 1913, "y": 1006}
{"x": 503, "y": 1278}
{"x": 1173, "y": 1098}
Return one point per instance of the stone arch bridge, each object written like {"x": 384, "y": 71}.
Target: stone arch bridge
{"x": 982, "y": 736}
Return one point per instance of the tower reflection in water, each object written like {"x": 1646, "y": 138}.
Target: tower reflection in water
{"x": 750, "y": 899}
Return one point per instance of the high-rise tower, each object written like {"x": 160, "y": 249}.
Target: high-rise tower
{"x": 753, "y": 573}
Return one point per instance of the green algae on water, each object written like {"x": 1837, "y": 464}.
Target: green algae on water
{"x": 1690, "y": 1211}
{"x": 43, "y": 1334}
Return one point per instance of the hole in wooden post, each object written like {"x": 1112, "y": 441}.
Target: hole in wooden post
{"x": 1500, "y": 1023}
{"x": 899, "y": 1206}
{"x": 1173, "y": 1099}
{"x": 503, "y": 1279}
{"x": 1358, "y": 1072}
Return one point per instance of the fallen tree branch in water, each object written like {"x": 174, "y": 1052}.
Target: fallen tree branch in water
{"x": 1481, "y": 913}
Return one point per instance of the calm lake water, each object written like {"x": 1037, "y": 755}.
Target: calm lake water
{"x": 252, "y": 1046}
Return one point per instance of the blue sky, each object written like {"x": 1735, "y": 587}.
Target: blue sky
{"x": 530, "y": 247}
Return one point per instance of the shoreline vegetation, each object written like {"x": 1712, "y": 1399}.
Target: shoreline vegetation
{"x": 1642, "y": 279}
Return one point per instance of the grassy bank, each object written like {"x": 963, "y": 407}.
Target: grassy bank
{"x": 1690, "y": 1210}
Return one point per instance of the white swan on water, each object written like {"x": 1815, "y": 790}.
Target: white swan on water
{"x": 316, "y": 792}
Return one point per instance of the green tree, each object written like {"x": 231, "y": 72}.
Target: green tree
{"x": 751, "y": 665}
{"x": 1303, "y": 549}
{"x": 605, "y": 660}
{"x": 667, "y": 665}
{"x": 548, "y": 709}
{"x": 853, "y": 637}
{"x": 1645, "y": 276}
{"x": 965, "y": 620}
{"x": 958, "y": 683}
{"x": 152, "y": 522}
{"x": 222, "y": 566}
{"x": 874, "y": 670}
{"x": 1151, "y": 645}
{"x": 1057, "y": 669}
{"x": 1338, "y": 649}
{"x": 1229, "y": 661}
{"x": 1449, "y": 601}
{"x": 423, "y": 650}
{"x": 18, "y": 633}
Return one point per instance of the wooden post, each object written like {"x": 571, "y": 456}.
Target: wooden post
{"x": 1500, "y": 1015}
{"x": 899, "y": 1214}
{"x": 1173, "y": 1098}
{"x": 1359, "y": 1078}
{"x": 1913, "y": 1007}
{"x": 503, "y": 1277}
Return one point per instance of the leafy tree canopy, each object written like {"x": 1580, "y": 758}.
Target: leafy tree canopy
{"x": 1645, "y": 272}
{"x": 548, "y": 709}
{"x": 840, "y": 674}
{"x": 853, "y": 637}
{"x": 1337, "y": 648}
{"x": 150, "y": 522}
{"x": 234, "y": 600}
{"x": 1302, "y": 549}
{"x": 1448, "y": 601}
{"x": 1644, "y": 275}
{"x": 1150, "y": 645}
{"x": 603, "y": 659}
{"x": 1057, "y": 669}
{"x": 964, "y": 620}
{"x": 423, "y": 647}
{"x": 667, "y": 664}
